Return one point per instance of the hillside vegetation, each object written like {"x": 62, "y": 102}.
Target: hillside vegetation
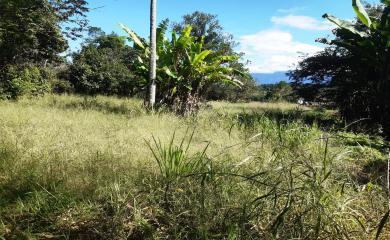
{"x": 105, "y": 168}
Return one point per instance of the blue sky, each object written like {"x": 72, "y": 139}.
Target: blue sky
{"x": 272, "y": 34}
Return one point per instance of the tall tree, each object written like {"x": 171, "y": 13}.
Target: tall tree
{"x": 104, "y": 66}
{"x": 36, "y": 30}
{"x": 353, "y": 72}
{"x": 207, "y": 26}
{"x": 71, "y": 14}
{"x": 153, "y": 52}
{"x": 33, "y": 33}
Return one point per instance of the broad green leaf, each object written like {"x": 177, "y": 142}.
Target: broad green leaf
{"x": 187, "y": 31}
{"x": 237, "y": 82}
{"x": 133, "y": 36}
{"x": 143, "y": 68}
{"x": 201, "y": 43}
{"x": 161, "y": 30}
{"x": 189, "y": 87}
{"x": 174, "y": 90}
{"x": 361, "y": 12}
{"x": 174, "y": 39}
{"x": 241, "y": 74}
{"x": 169, "y": 72}
{"x": 227, "y": 58}
{"x": 233, "y": 81}
{"x": 200, "y": 57}
{"x": 345, "y": 25}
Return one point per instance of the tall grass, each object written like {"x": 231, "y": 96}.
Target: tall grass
{"x": 103, "y": 168}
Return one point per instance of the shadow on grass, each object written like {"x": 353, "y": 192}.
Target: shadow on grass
{"x": 317, "y": 117}
{"x": 89, "y": 103}
{"x": 374, "y": 172}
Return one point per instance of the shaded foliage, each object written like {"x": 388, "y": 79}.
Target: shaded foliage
{"x": 281, "y": 91}
{"x": 28, "y": 80}
{"x": 103, "y": 66}
{"x": 31, "y": 39}
{"x": 353, "y": 72}
{"x": 29, "y": 32}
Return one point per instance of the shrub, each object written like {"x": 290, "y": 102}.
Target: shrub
{"x": 103, "y": 67}
{"x": 61, "y": 86}
{"x": 23, "y": 81}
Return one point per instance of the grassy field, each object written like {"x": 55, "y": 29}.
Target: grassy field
{"x": 104, "y": 168}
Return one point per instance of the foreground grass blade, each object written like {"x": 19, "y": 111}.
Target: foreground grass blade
{"x": 382, "y": 225}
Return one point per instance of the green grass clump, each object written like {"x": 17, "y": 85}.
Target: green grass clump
{"x": 104, "y": 168}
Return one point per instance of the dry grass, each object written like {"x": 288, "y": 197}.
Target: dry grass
{"x": 281, "y": 106}
{"x": 80, "y": 168}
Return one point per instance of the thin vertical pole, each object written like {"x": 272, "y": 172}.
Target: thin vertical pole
{"x": 153, "y": 52}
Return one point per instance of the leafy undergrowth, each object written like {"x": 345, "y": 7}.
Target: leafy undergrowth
{"x": 103, "y": 168}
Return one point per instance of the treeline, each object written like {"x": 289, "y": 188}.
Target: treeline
{"x": 353, "y": 72}
{"x": 34, "y": 35}
{"x": 197, "y": 61}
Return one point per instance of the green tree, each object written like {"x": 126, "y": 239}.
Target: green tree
{"x": 103, "y": 66}
{"x": 29, "y": 32}
{"x": 353, "y": 72}
{"x": 30, "y": 29}
{"x": 31, "y": 38}
{"x": 207, "y": 26}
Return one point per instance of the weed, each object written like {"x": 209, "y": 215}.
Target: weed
{"x": 78, "y": 168}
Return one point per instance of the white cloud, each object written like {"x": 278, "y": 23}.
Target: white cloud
{"x": 291, "y": 10}
{"x": 302, "y": 22}
{"x": 273, "y": 50}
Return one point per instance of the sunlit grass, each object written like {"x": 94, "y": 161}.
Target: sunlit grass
{"x": 76, "y": 167}
{"x": 283, "y": 106}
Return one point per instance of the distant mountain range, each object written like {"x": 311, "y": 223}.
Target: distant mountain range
{"x": 270, "y": 78}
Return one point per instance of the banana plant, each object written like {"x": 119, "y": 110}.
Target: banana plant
{"x": 366, "y": 40}
{"x": 363, "y": 16}
{"x": 184, "y": 68}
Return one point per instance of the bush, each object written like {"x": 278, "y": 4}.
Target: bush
{"x": 3, "y": 91}
{"x": 61, "y": 86}
{"x": 23, "y": 81}
{"x": 103, "y": 67}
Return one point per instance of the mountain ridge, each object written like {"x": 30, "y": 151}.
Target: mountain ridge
{"x": 270, "y": 78}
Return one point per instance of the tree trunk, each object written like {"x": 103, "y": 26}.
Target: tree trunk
{"x": 153, "y": 53}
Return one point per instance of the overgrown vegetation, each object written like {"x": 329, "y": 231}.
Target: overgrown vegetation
{"x": 91, "y": 166}
{"x": 336, "y": 75}
{"x": 31, "y": 40}
{"x": 104, "y": 66}
{"x": 185, "y": 69}
{"x": 103, "y": 168}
